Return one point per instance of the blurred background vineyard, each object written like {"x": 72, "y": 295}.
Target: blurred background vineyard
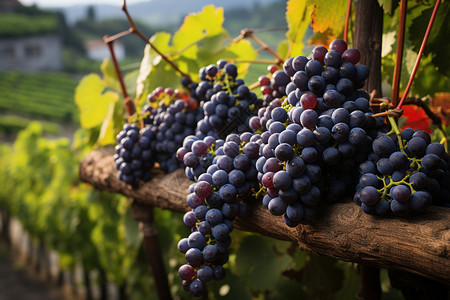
{"x": 44, "y": 91}
{"x": 44, "y": 53}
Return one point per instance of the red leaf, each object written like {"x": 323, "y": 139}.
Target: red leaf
{"x": 416, "y": 118}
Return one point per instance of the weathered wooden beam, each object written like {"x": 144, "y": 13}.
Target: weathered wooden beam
{"x": 419, "y": 244}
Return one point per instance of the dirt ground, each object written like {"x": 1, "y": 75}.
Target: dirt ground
{"x": 18, "y": 283}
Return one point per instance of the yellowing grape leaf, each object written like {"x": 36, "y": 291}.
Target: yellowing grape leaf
{"x": 198, "y": 26}
{"x": 241, "y": 50}
{"x": 328, "y": 14}
{"x": 92, "y": 101}
{"x": 297, "y": 18}
{"x": 201, "y": 40}
{"x": 322, "y": 38}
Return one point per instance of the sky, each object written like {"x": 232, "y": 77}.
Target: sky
{"x": 61, "y": 3}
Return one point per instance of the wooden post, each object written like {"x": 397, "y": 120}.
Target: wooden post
{"x": 144, "y": 214}
{"x": 4, "y": 234}
{"x": 368, "y": 39}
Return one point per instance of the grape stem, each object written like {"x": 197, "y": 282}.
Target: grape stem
{"x": 129, "y": 105}
{"x": 419, "y": 55}
{"x": 248, "y": 33}
{"x": 135, "y": 30}
{"x": 254, "y": 85}
{"x": 228, "y": 87}
{"x": 394, "y": 129}
{"x": 384, "y": 191}
{"x": 282, "y": 28}
{"x": 393, "y": 123}
{"x": 262, "y": 191}
{"x": 394, "y": 112}
{"x": 264, "y": 62}
{"x": 399, "y": 52}
{"x": 411, "y": 101}
{"x": 347, "y": 18}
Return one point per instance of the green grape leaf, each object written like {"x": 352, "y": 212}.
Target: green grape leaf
{"x": 201, "y": 40}
{"x": 322, "y": 277}
{"x": 150, "y": 61}
{"x": 66, "y": 260}
{"x": 300, "y": 258}
{"x": 388, "y": 5}
{"x": 427, "y": 80}
{"x": 196, "y": 27}
{"x": 350, "y": 282}
{"x": 298, "y": 19}
{"x": 258, "y": 264}
{"x": 231, "y": 288}
{"x": 439, "y": 32}
{"x": 283, "y": 49}
{"x": 93, "y": 101}
{"x": 328, "y": 14}
{"x": 109, "y": 74}
{"x": 285, "y": 289}
{"x": 107, "y": 132}
{"x": 132, "y": 235}
{"x": 210, "y": 49}
{"x": 130, "y": 80}
{"x": 241, "y": 50}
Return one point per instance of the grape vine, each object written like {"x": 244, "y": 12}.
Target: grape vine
{"x": 309, "y": 136}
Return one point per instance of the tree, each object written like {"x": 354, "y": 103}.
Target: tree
{"x": 90, "y": 13}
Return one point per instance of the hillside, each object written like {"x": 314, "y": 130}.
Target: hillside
{"x": 156, "y": 12}
{"x": 30, "y": 96}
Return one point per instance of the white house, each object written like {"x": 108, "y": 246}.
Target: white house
{"x": 98, "y": 50}
{"x": 31, "y": 53}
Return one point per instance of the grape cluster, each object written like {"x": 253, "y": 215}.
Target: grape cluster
{"x": 404, "y": 175}
{"x": 227, "y": 101}
{"x": 277, "y": 85}
{"x": 315, "y": 138}
{"x": 134, "y": 156}
{"x": 171, "y": 125}
{"x": 197, "y": 154}
{"x": 216, "y": 199}
{"x": 168, "y": 117}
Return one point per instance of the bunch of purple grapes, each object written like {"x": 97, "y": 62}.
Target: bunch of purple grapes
{"x": 216, "y": 199}
{"x": 171, "y": 125}
{"x": 227, "y": 101}
{"x": 134, "y": 156}
{"x": 275, "y": 86}
{"x": 315, "y": 138}
{"x": 166, "y": 124}
{"x": 404, "y": 175}
{"x": 197, "y": 154}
